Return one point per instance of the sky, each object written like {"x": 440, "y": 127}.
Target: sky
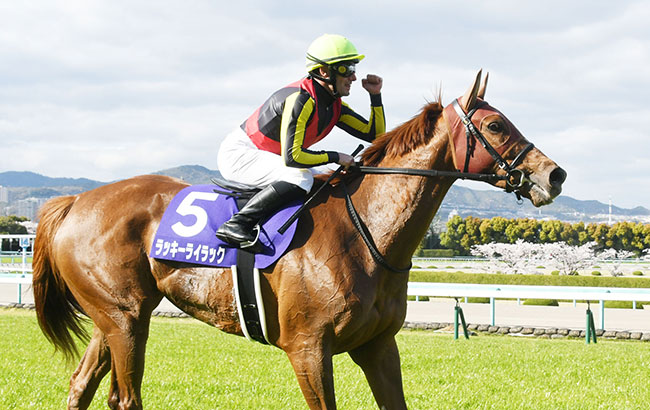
{"x": 109, "y": 89}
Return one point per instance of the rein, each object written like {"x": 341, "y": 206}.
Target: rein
{"x": 363, "y": 229}
{"x": 515, "y": 179}
{"x": 366, "y": 236}
{"x": 430, "y": 173}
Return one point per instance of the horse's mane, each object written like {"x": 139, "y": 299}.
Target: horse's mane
{"x": 404, "y": 138}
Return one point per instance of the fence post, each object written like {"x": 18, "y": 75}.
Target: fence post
{"x": 492, "y": 321}
{"x": 24, "y": 243}
{"x": 602, "y": 314}
{"x": 590, "y": 331}
{"x": 458, "y": 313}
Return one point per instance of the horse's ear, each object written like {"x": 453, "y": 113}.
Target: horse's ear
{"x": 469, "y": 99}
{"x": 481, "y": 91}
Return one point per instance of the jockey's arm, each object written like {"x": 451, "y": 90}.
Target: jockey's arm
{"x": 298, "y": 108}
{"x": 367, "y": 130}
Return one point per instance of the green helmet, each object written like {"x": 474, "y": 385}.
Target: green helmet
{"x": 329, "y": 49}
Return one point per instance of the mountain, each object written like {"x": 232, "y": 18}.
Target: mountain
{"x": 29, "y": 186}
{"x": 16, "y": 179}
{"x": 193, "y": 174}
{"x": 24, "y": 185}
{"x": 487, "y": 204}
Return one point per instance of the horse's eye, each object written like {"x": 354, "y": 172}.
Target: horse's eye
{"x": 495, "y": 127}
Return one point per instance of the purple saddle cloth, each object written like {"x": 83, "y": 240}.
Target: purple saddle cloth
{"x": 186, "y": 231}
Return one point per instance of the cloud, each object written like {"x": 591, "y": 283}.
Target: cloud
{"x": 107, "y": 90}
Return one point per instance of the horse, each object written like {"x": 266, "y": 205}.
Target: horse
{"x": 327, "y": 294}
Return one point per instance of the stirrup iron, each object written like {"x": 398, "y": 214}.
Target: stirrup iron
{"x": 250, "y": 244}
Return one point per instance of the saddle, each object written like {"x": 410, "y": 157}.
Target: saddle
{"x": 186, "y": 234}
{"x": 239, "y": 190}
{"x": 235, "y": 189}
{"x": 246, "y": 277}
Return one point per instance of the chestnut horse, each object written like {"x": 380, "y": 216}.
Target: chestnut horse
{"x": 326, "y": 295}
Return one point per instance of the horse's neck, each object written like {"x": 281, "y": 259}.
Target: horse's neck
{"x": 397, "y": 208}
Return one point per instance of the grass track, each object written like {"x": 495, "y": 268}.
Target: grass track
{"x": 193, "y": 366}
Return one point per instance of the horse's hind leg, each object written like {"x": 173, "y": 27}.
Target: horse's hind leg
{"x": 94, "y": 365}
{"x": 127, "y": 346}
{"x": 121, "y": 334}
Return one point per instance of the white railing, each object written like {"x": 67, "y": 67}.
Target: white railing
{"x": 18, "y": 280}
{"x": 22, "y": 267}
{"x": 17, "y": 236}
{"x": 493, "y": 292}
{"x": 18, "y": 273}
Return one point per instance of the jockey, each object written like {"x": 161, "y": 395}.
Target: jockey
{"x": 271, "y": 148}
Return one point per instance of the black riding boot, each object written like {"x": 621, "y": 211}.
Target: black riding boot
{"x": 239, "y": 230}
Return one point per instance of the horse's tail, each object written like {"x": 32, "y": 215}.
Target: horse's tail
{"x": 56, "y": 308}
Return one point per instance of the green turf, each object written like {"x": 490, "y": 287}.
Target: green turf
{"x": 15, "y": 259}
{"x": 544, "y": 280}
{"x": 193, "y": 366}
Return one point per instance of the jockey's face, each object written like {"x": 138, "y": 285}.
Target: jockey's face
{"x": 343, "y": 84}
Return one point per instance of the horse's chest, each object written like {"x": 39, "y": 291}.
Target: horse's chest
{"x": 364, "y": 319}
{"x": 389, "y": 311}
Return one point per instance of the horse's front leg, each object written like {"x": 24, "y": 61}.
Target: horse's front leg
{"x": 312, "y": 363}
{"x": 379, "y": 360}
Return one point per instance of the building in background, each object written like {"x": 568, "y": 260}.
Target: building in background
{"x": 4, "y": 200}
{"x": 28, "y": 207}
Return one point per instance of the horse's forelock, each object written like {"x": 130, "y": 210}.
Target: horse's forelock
{"x": 405, "y": 137}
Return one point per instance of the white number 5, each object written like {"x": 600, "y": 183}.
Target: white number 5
{"x": 187, "y": 208}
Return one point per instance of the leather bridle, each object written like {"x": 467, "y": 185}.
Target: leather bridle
{"x": 515, "y": 178}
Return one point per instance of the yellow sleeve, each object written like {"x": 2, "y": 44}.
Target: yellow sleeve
{"x": 298, "y": 109}
{"x": 356, "y": 125}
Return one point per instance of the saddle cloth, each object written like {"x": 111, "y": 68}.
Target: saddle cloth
{"x": 186, "y": 231}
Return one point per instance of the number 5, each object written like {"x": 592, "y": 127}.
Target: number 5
{"x": 187, "y": 208}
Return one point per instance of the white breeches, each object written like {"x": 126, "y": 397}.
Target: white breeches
{"x": 239, "y": 160}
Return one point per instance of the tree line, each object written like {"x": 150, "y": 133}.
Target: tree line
{"x": 463, "y": 233}
{"x": 11, "y": 225}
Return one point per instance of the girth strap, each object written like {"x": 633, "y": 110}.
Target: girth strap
{"x": 248, "y": 296}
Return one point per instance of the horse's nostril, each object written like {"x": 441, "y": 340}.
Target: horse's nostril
{"x": 557, "y": 177}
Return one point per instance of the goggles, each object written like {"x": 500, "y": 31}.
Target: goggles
{"x": 345, "y": 69}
